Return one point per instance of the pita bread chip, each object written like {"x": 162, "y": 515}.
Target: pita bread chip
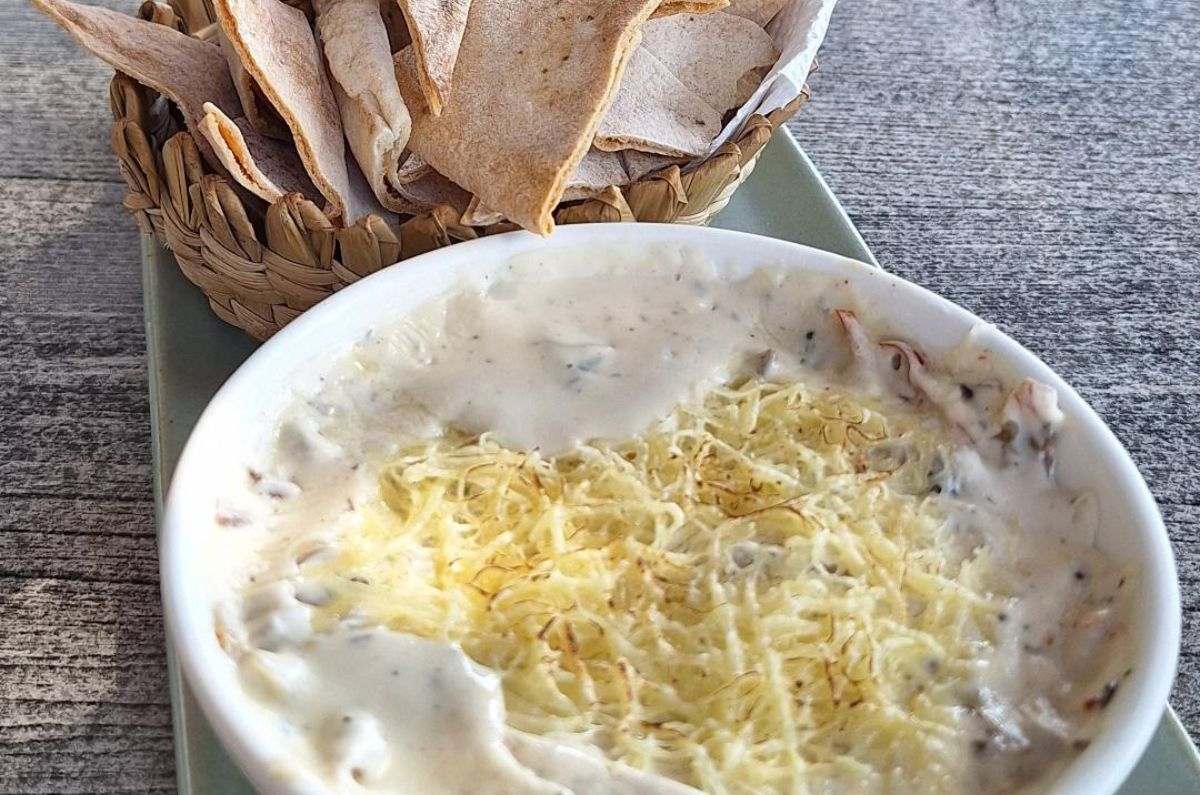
{"x": 654, "y": 112}
{"x": 709, "y": 53}
{"x": 639, "y": 164}
{"x": 429, "y": 190}
{"x": 478, "y": 215}
{"x": 187, "y": 71}
{"x": 669, "y": 7}
{"x": 758, "y": 11}
{"x": 374, "y": 117}
{"x": 362, "y": 201}
{"x": 411, "y": 170}
{"x": 264, "y": 166}
{"x": 436, "y": 28}
{"x": 374, "y": 158}
{"x": 598, "y": 170}
{"x": 255, "y": 107}
{"x": 276, "y": 45}
{"x": 596, "y": 173}
{"x": 394, "y": 22}
{"x": 514, "y": 133}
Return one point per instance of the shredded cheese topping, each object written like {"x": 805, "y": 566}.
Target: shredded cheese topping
{"x": 759, "y": 594}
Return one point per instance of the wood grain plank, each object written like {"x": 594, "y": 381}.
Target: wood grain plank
{"x": 55, "y": 100}
{"x": 83, "y": 684}
{"x": 84, "y": 706}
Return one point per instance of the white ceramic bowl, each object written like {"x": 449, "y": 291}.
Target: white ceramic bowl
{"x": 241, "y": 416}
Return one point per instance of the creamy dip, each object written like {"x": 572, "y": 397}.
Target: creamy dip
{"x": 546, "y": 359}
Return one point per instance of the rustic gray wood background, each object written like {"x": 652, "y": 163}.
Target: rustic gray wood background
{"x": 1037, "y": 162}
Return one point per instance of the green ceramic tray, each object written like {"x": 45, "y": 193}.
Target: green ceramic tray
{"x": 191, "y": 353}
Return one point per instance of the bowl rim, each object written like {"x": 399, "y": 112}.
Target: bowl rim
{"x": 1101, "y": 768}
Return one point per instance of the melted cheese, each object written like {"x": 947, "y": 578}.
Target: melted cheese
{"x": 758, "y": 593}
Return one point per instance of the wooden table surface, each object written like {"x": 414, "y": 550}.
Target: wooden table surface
{"x": 1038, "y": 162}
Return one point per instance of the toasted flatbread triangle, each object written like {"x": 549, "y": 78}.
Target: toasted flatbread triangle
{"x": 187, "y": 71}
{"x": 597, "y": 171}
{"x": 709, "y": 53}
{"x": 374, "y": 116}
{"x": 255, "y": 107}
{"x": 436, "y": 28}
{"x": 411, "y": 170}
{"x": 758, "y": 11}
{"x": 431, "y": 189}
{"x": 478, "y": 215}
{"x": 654, "y": 112}
{"x": 396, "y": 25}
{"x": 669, "y": 7}
{"x": 685, "y": 74}
{"x": 264, "y": 166}
{"x": 639, "y": 164}
{"x": 277, "y": 47}
{"x": 514, "y": 133}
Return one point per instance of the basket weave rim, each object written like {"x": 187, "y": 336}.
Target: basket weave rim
{"x": 260, "y": 266}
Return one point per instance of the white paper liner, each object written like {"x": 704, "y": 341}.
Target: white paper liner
{"x": 798, "y": 30}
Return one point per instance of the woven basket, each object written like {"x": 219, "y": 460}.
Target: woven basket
{"x": 261, "y": 265}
